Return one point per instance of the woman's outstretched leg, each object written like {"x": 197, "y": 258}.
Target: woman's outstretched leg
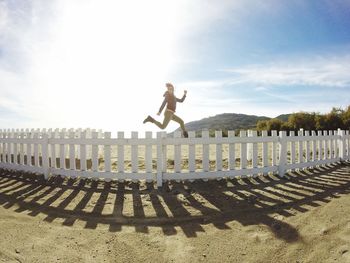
{"x": 182, "y": 124}
{"x": 167, "y": 117}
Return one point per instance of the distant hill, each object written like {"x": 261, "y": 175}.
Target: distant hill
{"x": 225, "y": 121}
{"x": 283, "y": 117}
{"x": 229, "y": 121}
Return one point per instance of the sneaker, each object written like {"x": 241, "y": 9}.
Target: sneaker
{"x": 185, "y": 134}
{"x": 148, "y": 119}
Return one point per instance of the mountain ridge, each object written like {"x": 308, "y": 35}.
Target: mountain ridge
{"x": 229, "y": 121}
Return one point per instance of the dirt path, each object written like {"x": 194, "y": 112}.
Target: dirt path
{"x": 303, "y": 218}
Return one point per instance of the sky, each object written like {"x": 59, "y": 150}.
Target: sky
{"x": 103, "y": 64}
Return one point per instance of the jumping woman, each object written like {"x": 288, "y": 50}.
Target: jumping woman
{"x": 169, "y": 114}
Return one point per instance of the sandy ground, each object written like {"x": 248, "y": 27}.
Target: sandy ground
{"x": 302, "y": 218}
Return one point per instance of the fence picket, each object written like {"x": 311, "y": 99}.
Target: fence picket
{"x": 164, "y": 153}
{"x": 282, "y": 154}
{"x": 134, "y": 153}
{"x": 107, "y": 153}
{"x": 325, "y": 145}
{"x": 36, "y": 149}
{"x": 300, "y": 146}
{"x": 314, "y": 147}
{"x": 4, "y": 147}
{"x": 161, "y": 166}
{"x": 120, "y": 153}
{"x": 94, "y": 153}
{"x": 243, "y": 150}
{"x": 177, "y": 152}
{"x": 255, "y": 151}
{"x": 62, "y": 150}
{"x": 72, "y": 165}
{"x": 307, "y": 146}
{"x": 218, "y": 146}
{"x": 274, "y": 149}
{"x": 191, "y": 152}
{"x": 231, "y": 151}
{"x": 53, "y": 135}
{"x": 15, "y": 149}
{"x": 11, "y": 146}
{"x": 1, "y": 147}
{"x": 335, "y": 145}
{"x": 83, "y": 164}
{"x": 44, "y": 154}
{"x": 331, "y": 145}
{"x": 347, "y": 140}
{"x": 341, "y": 143}
{"x": 319, "y": 146}
{"x": 205, "y": 136}
{"x": 265, "y": 156}
{"x": 292, "y": 147}
{"x": 21, "y": 147}
{"x": 148, "y": 154}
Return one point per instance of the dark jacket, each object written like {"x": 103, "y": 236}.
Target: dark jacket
{"x": 170, "y": 100}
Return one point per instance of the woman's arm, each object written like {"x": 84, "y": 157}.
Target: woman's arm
{"x": 183, "y": 97}
{"x": 163, "y": 105}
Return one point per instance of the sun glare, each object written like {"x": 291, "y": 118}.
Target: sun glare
{"x": 105, "y": 63}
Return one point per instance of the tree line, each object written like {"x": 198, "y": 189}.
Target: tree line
{"x": 336, "y": 118}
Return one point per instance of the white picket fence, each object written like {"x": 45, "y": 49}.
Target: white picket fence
{"x": 87, "y": 153}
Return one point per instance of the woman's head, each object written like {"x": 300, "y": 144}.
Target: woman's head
{"x": 170, "y": 87}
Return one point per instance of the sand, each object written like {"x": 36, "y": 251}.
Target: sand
{"x": 304, "y": 217}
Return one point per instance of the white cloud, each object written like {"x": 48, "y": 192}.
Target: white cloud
{"x": 272, "y": 89}
{"x": 327, "y": 72}
{"x": 3, "y": 15}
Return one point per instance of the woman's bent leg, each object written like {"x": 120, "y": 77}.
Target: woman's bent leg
{"x": 179, "y": 121}
{"x": 167, "y": 117}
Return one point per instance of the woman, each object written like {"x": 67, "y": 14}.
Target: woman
{"x": 169, "y": 114}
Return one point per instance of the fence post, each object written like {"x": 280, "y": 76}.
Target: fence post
{"x": 341, "y": 144}
{"x": 292, "y": 148}
{"x": 107, "y": 153}
{"x": 94, "y": 152}
{"x": 249, "y": 147}
{"x": 265, "y": 152}
{"x": 191, "y": 152}
{"x": 45, "y": 154}
{"x": 255, "y": 151}
{"x": 148, "y": 156}
{"x": 319, "y": 145}
{"x": 134, "y": 153}
{"x": 282, "y": 153}
{"x": 243, "y": 150}
{"x": 72, "y": 164}
{"x": 218, "y": 159}
{"x": 347, "y": 148}
{"x": 160, "y": 164}
{"x": 274, "y": 151}
{"x": 177, "y": 153}
{"x": 205, "y": 159}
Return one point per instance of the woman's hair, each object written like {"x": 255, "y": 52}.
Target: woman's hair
{"x": 169, "y": 85}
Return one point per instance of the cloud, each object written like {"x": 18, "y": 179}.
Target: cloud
{"x": 281, "y": 86}
{"x": 261, "y": 88}
{"x": 323, "y": 72}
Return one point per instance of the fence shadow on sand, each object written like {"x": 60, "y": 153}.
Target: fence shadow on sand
{"x": 178, "y": 206}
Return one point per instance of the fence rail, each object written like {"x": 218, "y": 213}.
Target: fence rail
{"x": 88, "y": 153}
